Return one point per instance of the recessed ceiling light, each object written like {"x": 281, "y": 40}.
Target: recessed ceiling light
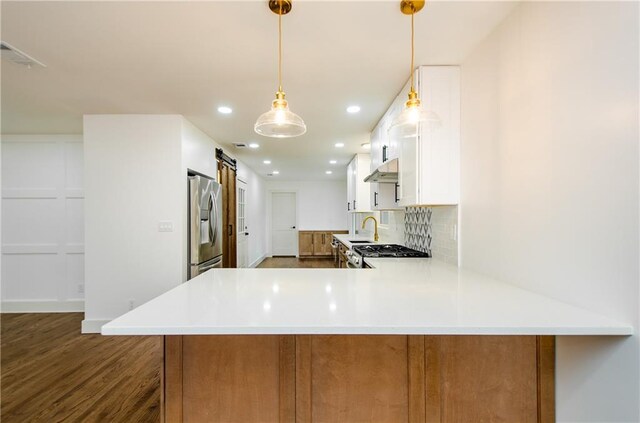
{"x": 328, "y": 172}
{"x": 333, "y": 161}
{"x": 225, "y": 110}
{"x": 366, "y": 145}
{"x": 276, "y": 172}
{"x": 254, "y": 145}
{"x": 266, "y": 161}
{"x": 353, "y": 109}
{"x": 339, "y": 144}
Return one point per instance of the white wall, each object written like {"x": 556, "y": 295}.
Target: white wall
{"x": 133, "y": 181}
{"x": 321, "y": 204}
{"x": 136, "y": 176}
{"x": 550, "y": 182}
{"x": 42, "y": 224}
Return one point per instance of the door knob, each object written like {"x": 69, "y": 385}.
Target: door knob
{"x": 293, "y": 227}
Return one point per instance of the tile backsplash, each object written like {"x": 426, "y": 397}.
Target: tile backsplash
{"x": 433, "y": 230}
{"x": 429, "y": 229}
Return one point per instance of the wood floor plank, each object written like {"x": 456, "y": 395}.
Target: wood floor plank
{"x": 52, "y": 373}
{"x": 294, "y": 262}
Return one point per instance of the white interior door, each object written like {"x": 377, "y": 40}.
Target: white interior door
{"x": 243, "y": 227}
{"x": 284, "y": 234}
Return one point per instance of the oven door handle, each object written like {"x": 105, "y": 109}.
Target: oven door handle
{"x": 351, "y": 265}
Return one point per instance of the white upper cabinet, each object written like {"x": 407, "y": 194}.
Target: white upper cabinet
{"x": 357, "y": 189}
{"x": 432, "y": 172}
{"x": 383, "y": 148}
{"x": 428, "y": 164}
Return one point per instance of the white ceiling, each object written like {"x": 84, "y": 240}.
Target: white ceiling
{"x": 191, "y": 57}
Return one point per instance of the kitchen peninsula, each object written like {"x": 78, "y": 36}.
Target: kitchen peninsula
{"x": 358, "y": 345}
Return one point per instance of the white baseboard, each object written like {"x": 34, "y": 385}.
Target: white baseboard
{"x": 257, "y": 262}
{"x": 93, "y": 326}
{"x": 49, "y": 306}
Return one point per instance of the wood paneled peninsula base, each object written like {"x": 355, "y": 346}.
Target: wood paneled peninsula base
{"x": 358, "y": 378}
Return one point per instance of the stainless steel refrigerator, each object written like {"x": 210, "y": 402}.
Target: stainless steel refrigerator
{"x": 205, "y": 224}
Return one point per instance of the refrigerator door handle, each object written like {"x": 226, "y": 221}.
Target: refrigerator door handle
{"x": 213, "y": 222}
{"x": 194, "y": 234}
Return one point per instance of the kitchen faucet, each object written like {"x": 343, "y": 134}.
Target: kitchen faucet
{"x": 375, "y": 228}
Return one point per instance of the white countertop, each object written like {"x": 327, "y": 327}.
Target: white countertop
{"x": 399, "y": 296}
{"x": 346, "y": 239}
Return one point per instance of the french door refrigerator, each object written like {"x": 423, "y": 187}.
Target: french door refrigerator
{"x": 205, "y": 225}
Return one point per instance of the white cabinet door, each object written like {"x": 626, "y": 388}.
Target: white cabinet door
{"x": 439, "y": 150}
{"x": 376, "y": 147}
{"x": 351, "y": 171}
{"x": 358, "y": 191}
{"x": 363, "y": 165}
{"x": 384, "y": 196}
{"x": 429, "y": 164}
{"x": 393, "y": 146}
{"x": 408, "y": 172}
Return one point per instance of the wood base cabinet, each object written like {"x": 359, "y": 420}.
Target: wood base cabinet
{"x": 358, "y": 378}
{"x": 316, "y": 243}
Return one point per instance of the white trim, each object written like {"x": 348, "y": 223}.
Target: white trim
{"x": 93, "y": 325}
{"x": 258, "y": 261}
{"x": 46, "y": 306}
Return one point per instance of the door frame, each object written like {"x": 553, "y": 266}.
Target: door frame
{"x": 238, "y": 228}
{"x": 270, "y": 214}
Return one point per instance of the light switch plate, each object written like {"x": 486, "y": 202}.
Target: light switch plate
{"x": 165, "y": 226}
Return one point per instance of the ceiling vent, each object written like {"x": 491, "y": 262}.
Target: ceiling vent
{"x": 18, "y": 57}
{"x": 239, "y": 145}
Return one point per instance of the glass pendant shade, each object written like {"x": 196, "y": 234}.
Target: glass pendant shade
{"x": 411, "y": 119}
{"x": 280, "y": 122}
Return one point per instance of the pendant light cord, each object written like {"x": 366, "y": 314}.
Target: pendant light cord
{"x": 280, "y": 50}
{"x": 412, "y": 52}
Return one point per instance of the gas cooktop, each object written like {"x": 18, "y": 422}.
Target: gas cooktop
{"x": 387, "y": 250}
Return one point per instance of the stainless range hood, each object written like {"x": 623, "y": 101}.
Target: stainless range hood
{"x": 387, "y": 172}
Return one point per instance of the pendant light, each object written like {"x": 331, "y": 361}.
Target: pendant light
{"x": 280, "y": 122}
{"x": 407, "y": 123}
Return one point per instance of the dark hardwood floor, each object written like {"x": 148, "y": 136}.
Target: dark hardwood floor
{"x": 51, "y": 373}
{"x": 294, "y": 262}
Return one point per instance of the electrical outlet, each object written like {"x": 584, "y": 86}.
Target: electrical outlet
{"x": 165, "y": 226}
{"x": 131, "y": 304}
{"x": 81, "y": 288}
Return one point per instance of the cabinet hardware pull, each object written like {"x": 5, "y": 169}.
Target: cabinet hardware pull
{"x": 384, "y": 153}
{"x": 375, "y": 199}
{"x": 354, "y": 205}
{"x": 396, "y": 192}
{"x": 348, "y": 205}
